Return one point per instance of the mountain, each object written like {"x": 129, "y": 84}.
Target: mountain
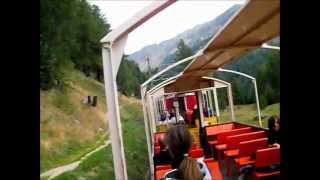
{"x": 161, "y": 54}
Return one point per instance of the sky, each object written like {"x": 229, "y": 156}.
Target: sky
{"x": 180, "y": 16}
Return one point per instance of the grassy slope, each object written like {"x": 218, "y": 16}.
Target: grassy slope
{"x": 100, "y": 165}
{"x": 247, "y": 114}
{"x": 70, "y": 129}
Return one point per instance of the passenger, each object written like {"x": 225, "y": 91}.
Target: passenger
{"x": 274, "y": 131}
{"x": 167, "y": 116}
{"x": 179, "y": 142}
{"x": 171, "y": 114}
{"x": 181, "y": 119}
{"x": 273, "y": 141}
{"x": 163, "y": 157}
{"x": 195, "y": 115}
{"x": 173, "y": 120}
{"x": 162, "y": 118}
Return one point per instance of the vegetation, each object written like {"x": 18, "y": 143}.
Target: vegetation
{"x": 248, "y": 114}
{"x": 68, "y": 128}
{"x": 70, "y": 31}
{"x": 262, "y": 64}
{"x": 70, "y": 70}
{"x": 100, "y": 164}
{"x": 130, "y": 77}
{"x": 183, "y": 51}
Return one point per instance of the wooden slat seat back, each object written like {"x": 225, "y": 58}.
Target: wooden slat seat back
{"x": 216, "y": 129}
{"x": 214, "y": 169}
{"x": 264, "y": 158}
{"x": 221, "y": 138}
{"x": 232, "y": 142}
{"x": 267, "y": 156}
{"x": 196, "y": 153}
{"x": 249, "y": 148}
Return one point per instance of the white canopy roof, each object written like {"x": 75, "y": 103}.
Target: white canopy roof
{"x": 257, "y": 22}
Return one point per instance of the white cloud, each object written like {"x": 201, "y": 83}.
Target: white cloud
{"x": 173, "y": 20}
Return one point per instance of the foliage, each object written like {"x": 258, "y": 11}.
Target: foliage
{"x": 183, "y": 51}
{"x": 69, "y": 36}
{"x": 100, "y": 165}
{"x": 262, "y": 64}
{"x": 129, "y": 77}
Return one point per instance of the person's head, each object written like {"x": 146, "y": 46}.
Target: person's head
{"x": 274, "y": 123}
{"x": 179, "y": 142}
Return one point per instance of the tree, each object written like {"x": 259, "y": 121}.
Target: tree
{"x": 129, "y": 77}
{"x": 183, "y": 51}
{"x": 70, "y": 31}
{"x": 268, "y": 79}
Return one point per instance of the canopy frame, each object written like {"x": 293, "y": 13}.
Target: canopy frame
{"x": 254, "y": 82}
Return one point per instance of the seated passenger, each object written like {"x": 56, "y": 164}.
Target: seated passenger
{"x": 273, "y": 141}
{"x": 195, "y": 115}
{"x": 162, "y": 118}
{"x": 181, "y": 120}
{"x": 274, "y": 131}
{"x": 179, "y": 142}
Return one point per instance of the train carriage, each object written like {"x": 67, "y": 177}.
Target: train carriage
{"x": 227, "y": 146}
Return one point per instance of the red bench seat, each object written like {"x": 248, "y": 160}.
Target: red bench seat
{"x": 266, "y": 157}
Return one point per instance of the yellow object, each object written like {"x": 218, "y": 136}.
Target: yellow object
{"x": 162, "y": 128}
{"x": 210, "y": 120}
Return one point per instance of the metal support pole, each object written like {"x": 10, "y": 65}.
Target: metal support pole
{"x": 156, "y": 109}
{"x": 255, "y": 88}
{"x": 257, "y": 101}
{"x": 200, "y": 108}
{"x": 146, "y": 128}
{"x": 152, "y": 119}
{"x": 231, "y": 103}
{"x": 210, "y": 99}
{"x": 110, "y": 72}
{"x": 216, "y": 102}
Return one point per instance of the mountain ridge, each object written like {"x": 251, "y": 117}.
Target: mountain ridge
{"x": 194, "y": 37}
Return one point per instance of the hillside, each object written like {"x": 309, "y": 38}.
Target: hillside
{"x": 195, "y": 38}
{"x": 69, "y": 128}
{"x": 247, "y": 114}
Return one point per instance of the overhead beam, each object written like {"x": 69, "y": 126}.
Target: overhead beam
{"x": 136, "y": 20}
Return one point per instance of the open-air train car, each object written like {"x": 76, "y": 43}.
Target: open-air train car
{"x": 257, "y": 22}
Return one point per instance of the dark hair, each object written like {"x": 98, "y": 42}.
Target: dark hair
{"x": 179, "y": 143}
{"x": 271, "y": 122}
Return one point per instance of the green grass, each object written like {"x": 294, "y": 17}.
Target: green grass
{"x": 87, "y": 83}
{"x": 68, "y": 128}
{"x": 100, "y": 165}
{"x": 247, "y": 114}
{"x": 63, "y": 140}
{"x": 70, "y": 151}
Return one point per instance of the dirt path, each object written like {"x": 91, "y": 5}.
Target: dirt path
{"x": 50, "y": 174}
